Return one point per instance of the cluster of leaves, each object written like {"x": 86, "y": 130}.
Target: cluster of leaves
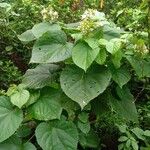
{"x": 18, "y": 16}
{"x": 131, "y": 137}
{"x": 76, "y": 76}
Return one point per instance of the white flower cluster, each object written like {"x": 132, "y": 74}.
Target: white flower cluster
{"x": 49, "y": 14}
{"x": 91, "y": 19}
{"x": 86, "y": 26}
{"x": 141, "y": 49}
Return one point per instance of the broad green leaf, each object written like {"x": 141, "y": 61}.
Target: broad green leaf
{"x": 141, "y": 67}
{"x": 40, "y": 76}
{"x": 101, "y": 57}
{"x": 121, "y": 75}
{"x": 10, "y": 118}
{"x": 83, "y": 87}
{"x": 47, "y": 107}
{"x": 27, "y": 36}
{"x": 51, "y": 47}
{"x": 125, "y": 106}
{"x": 14, "y": 143}
{"x": 39, "y": 29}
{"x": 20, "y": 97}
{"x": 83, "y": 55}
{"x": 90, "y": 140}
{"x": 57, "y": 135}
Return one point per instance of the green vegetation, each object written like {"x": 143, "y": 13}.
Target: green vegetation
{"x": 75, "y": 75}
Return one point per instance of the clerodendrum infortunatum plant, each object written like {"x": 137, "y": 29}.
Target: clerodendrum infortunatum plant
{"x": 81, "y": 68}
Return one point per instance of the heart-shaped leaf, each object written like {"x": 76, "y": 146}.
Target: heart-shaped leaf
{"x": 83, "y": 55}
{"x": 57, "y": 135}
{"x": 83, "y": 87}
{"x": 10, "y": 118}
{"x": 20, "y": 97}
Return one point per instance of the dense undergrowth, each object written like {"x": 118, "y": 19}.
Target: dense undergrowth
{"x": 75, "y": 75}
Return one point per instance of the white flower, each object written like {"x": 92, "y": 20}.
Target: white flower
{"x": 44, "y": 11}
{"x": 49, "y": 14}
{"x": 91, "y": 19}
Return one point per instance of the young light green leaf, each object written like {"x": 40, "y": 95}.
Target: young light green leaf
{"x": 92, "y": 42}
{"x": 113, "y": 46}
{"x": 10, "y": 118}
{"x": 83, "y": 87}
{"x": 83, "y": 55}
{"x": 20, "y": 97}
{"x": 57, "y": 135}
